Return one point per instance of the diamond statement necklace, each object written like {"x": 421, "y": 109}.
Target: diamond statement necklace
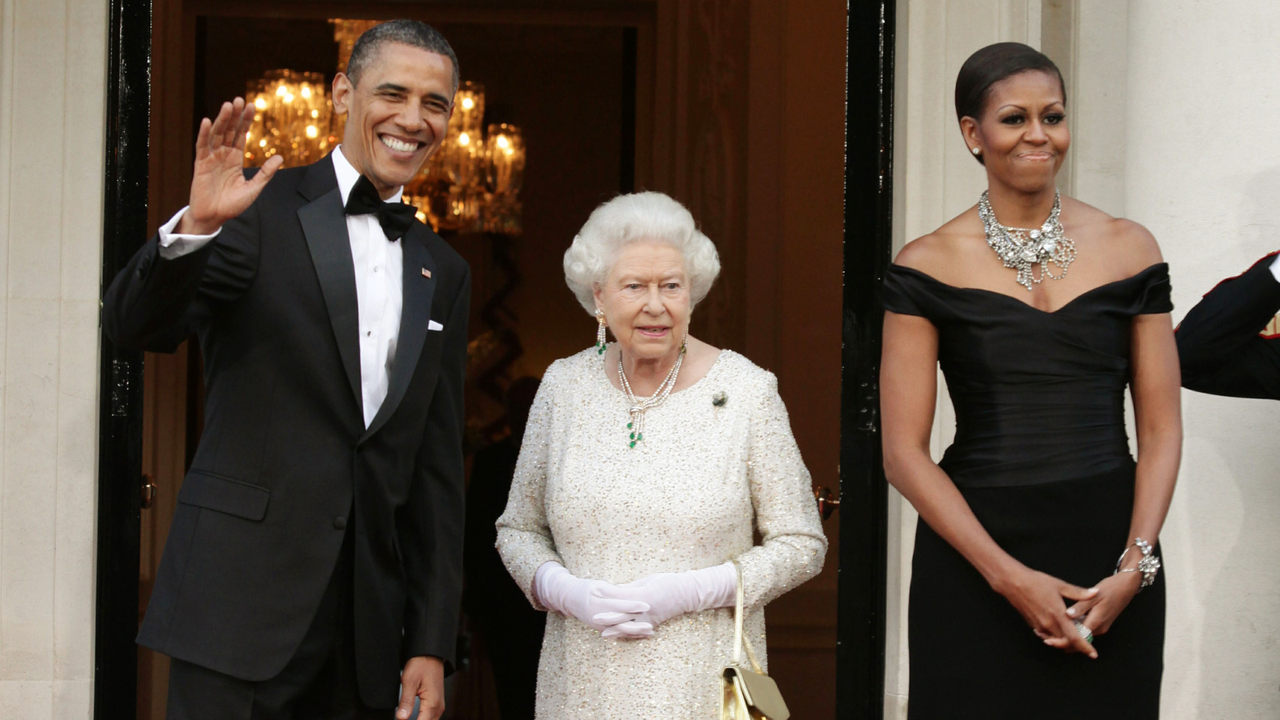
{"x": 638, "y": 406}
{"x": 1020, "y": 248}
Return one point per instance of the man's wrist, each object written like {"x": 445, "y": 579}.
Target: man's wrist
{"x": 191, "y": 225}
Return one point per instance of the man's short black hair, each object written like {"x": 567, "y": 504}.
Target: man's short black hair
{"x": 406, "y": 32}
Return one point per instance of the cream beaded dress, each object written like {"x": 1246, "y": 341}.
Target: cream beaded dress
{"x": 688, "y": 496}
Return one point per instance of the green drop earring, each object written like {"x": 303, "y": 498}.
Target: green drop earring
{"x": 600, "y": 337}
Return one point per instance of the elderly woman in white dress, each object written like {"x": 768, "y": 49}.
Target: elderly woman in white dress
{"x": 647, "y": 465}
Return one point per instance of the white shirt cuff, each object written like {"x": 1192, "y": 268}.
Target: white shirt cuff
{"x": 1275, "y": 268}
{"x": 174, "y": 245}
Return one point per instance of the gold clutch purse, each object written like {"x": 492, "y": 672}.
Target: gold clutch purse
{"x": 748, "y": 693}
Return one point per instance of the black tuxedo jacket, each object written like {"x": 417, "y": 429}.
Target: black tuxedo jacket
{"x": 1220, "y": 343}
{"x": 286, "y": 466}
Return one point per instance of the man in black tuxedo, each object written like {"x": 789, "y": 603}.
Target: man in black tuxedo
{"x": 1224, "y": 343}
{"x": 314, "y": 565}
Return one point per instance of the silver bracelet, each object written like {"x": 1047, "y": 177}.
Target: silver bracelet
{"x": 1149, "y": 565}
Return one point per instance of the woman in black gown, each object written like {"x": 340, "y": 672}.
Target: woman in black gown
{"x": 1015, "y": 611}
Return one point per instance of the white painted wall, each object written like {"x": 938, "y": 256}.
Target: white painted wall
{"x": 1175, "y": 108}
{"x": 52, "y": 91}
{"x": 1202, "y": 158}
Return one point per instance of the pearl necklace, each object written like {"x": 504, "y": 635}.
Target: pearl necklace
{"x": 638, "y": 406}
{"x": 1020, "y": 248}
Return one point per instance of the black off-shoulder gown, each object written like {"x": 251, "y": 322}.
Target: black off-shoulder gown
{"x": 1042, "y": 457}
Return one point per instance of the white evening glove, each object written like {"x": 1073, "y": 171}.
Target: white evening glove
{"x": 559, "y": 590}
{"x": 670, "y": 595}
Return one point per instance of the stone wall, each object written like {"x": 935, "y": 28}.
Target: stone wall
{"x": 52, "y": 99}
{"x": 1202, "y": 171}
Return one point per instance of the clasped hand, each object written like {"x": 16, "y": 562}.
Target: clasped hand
{"x": 633, "y": 610}
{"x": 1041, "y": 599}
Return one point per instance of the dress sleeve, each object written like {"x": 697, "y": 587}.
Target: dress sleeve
{"x": 524, "y": 537}
{"x": 794, "y": 545}
{"x": 1156, "y": 296}
{"x": 899, "y": 293}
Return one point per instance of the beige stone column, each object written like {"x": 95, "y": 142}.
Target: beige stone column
{"x": 935, "y": 179}
{"x": 52, "y": 96}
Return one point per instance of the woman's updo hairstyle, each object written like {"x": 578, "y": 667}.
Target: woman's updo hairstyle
{"x": 989, "y": 66}
{"x": 638, "y": 217}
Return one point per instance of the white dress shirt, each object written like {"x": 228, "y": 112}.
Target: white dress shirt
{"x": 379, "y": 265}
{"x": 1275, "y": 268}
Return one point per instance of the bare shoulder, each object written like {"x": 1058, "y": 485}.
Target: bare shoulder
{"x": 1138, "y": 241}
{"x": 1129, "y": 245}
{"x": 921, "y": 253}
{"x": 938, "y": 253}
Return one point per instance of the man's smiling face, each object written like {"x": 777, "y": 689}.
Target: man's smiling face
{"x": 397, "y": 113}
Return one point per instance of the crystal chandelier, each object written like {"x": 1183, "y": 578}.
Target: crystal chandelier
{"x": 472, "y": 183}
{"x": 291, "y": 118}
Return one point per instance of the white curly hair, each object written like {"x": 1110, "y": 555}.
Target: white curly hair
{"x": 642, "y": 216}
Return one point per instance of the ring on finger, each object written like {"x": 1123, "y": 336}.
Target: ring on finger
{"x": 1084, "y": 631}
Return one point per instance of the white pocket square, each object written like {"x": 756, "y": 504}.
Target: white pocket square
{"x": 433, "y": 325}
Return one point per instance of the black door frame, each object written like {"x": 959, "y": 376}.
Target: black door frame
{"x": 124, "y": 229}
{"x": 868, "y": 239}
{"x": 867, "y": 243}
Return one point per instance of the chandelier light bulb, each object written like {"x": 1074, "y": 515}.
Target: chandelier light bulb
{"x": 292, "y": 118}
{"x": 464, "y": 139}
{"x": 468, "y": 103}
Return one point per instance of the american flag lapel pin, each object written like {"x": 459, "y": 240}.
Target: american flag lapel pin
{"x": 426, "y": 273}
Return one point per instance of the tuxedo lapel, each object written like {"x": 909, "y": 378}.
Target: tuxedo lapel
{"x": 325, "y": 225}
{"x": 415, "y": 316}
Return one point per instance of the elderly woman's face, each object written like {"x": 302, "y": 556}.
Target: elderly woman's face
{"x": 645, "y": 299}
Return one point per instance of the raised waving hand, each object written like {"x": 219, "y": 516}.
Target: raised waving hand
{"x": 219, "y": 190}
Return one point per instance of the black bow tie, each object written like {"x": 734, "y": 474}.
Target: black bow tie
{"x": 395, "y": 217}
